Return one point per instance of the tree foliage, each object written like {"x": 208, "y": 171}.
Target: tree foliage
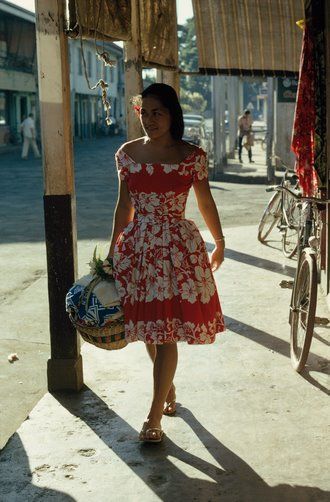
{"x": 192, "y": 101}
{"x": 192, "y": 86}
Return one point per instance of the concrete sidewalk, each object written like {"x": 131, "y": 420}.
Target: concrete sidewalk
{"x": 248, "y": 429}
{"x": 246, "y": 172}
{"x": 23, "y": 288}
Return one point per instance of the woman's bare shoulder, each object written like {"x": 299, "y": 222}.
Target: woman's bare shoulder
{"x": 189, "y": 148}
{"x": 130, "y": 147}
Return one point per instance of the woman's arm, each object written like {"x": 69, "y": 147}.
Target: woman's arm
{"x": 124, "y": 213}
{"x": 209, "y": 211}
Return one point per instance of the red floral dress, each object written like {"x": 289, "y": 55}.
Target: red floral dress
{"x": 162, "y": 269}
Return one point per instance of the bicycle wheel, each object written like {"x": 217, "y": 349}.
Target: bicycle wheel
{"x": 270, "y": 216}
{"x": 303, "y": 309}
{"x": 290, "y": 233}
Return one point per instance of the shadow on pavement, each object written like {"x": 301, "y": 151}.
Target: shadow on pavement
{"x": 16, "y": 476}
{"x": 217, "y": 187}
{"x": 233, "y": 479}
{"x": 243, "y": 483}
{"x": 255, "y": 261}
{"x": 271, "y": 342}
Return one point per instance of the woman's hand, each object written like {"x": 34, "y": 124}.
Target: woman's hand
{"x": 218, "y": 255}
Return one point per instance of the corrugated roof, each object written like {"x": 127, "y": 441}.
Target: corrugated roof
{"x": 248, "y": 37}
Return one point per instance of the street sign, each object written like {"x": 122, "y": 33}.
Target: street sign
{"x": 287, "y": 90}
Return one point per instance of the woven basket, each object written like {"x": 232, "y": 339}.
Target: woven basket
{"x": 108, "y": 337}
{"x": 94, "y": 309}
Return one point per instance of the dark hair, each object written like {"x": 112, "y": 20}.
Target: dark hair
{"x": 247, "y": 112}
{"x": 169, "y": 99}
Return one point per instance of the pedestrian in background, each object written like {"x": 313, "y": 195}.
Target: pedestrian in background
{"x": 29, "y": 137}
{"x": 161, "y": 267}
{"x": 245, "y": 130}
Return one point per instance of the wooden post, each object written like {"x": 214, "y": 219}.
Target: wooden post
{"x": 159, "y": 76}
{"x": 270, "y": 129}
{"x": 171, "y": 78}
{"x": 223, "y": 84}
{"x": 240, "y": 97}
{"x": 216, "y": 105}
{"x": 65, "y": 364}
{"x": 133, "y": 72}
{"x": 233, "y": 115}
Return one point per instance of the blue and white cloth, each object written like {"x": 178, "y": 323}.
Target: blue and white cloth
{"x": 93, "y": 301}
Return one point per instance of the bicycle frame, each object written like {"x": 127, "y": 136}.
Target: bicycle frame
{"x": 285, "y": 210}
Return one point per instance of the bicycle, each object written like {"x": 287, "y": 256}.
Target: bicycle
{"x": 283, "y": 212}
{"x": 304, "y": 291}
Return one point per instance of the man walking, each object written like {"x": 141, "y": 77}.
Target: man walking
{"x": 245, "y": 129}
{"x": 29, "y": 135}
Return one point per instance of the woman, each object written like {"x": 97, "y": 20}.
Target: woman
{"x": 161, "y": 266}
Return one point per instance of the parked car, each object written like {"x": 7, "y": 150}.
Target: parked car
{"x": 194, "y": 132}
{"x": 193, "y": 116}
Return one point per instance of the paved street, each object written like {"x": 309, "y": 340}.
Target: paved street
{"x": 248, "y": 429}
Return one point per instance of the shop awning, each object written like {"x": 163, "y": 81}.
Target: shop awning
{"x": 249, "y": 37}
{"x": 104, "y": 20}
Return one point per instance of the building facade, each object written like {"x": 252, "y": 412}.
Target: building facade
{"x": 88, "y": 114}
{"x": 18, "y": 84}
{"x": 19, "y": 80}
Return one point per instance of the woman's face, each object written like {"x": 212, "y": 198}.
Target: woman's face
{"x": 155, "y": 118}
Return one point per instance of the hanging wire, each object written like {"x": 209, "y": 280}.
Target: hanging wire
{"x": 103, "y": 56}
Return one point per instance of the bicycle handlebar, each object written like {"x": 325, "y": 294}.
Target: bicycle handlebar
{"x": 287, "y": 168}
{"x": 279, "y": 188}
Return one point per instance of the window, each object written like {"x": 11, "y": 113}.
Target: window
{"x": 3, "y": 48}
{"x": 3, "y": 117}
{"x": 79, "y": 62}
{"x": 3, "y": 39}
{"x": 89, "y": 64}
{"x": 100, "y": 66}
{"x": 107, "y": 75}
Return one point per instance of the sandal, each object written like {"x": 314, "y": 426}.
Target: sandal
{"x": 170, "y": 408}
{"x": 151, "y": 434}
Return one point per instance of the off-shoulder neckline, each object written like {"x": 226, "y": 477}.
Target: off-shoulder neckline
{"x": 187, "y": 157}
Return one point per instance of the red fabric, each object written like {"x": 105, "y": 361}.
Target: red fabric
{"x": 303, "y": 137}
{"x": 161, "y": 266}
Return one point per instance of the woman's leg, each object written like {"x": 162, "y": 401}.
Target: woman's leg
{"x": 164, "y": 371}
{"x": 240, "y": 147}
{"x": 152, "y": 351}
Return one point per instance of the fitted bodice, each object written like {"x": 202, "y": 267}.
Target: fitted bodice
{"x": 167, "y": 205}
{"x": 160, "y": 191}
